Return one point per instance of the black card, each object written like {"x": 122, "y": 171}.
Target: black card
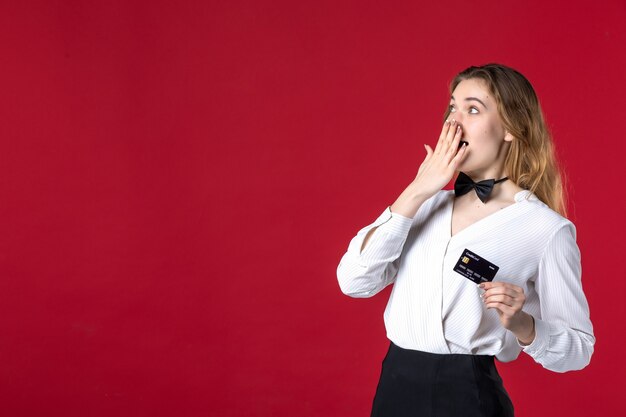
{"x": 475, "y": 268}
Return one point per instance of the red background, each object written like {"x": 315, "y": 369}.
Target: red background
{"x": 179, "y": 180}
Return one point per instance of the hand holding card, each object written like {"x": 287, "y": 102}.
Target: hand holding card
{"x": 508, "y": 300}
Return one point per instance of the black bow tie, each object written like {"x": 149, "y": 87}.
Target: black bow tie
{"x": 465, "y": 184}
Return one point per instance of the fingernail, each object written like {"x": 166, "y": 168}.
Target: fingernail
{"x": 453, "y": 121}
{"x": 481, "y": 286}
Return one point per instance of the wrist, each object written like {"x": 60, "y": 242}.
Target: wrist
{"x": 410, "y": 200}
{"x": 526, "y": 334}
{"x": 407, "y": 205}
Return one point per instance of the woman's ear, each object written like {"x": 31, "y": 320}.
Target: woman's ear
{"x": 508, "y": 137}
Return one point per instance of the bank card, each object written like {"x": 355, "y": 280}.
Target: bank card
{"x": 475, "y": 268}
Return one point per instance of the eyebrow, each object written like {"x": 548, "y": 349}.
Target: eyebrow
{"x": 473, "y": 99}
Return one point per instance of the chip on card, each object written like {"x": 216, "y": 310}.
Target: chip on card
{"x": 475, "y": 268}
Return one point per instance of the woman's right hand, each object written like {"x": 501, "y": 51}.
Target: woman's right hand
{"x": 439, "y": 166}
{"x": 435, "y": 172}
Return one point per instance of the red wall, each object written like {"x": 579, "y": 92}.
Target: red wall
{"x": 178, "y": 181}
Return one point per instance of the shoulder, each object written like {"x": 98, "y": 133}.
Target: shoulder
{"x": 541, "y": 218}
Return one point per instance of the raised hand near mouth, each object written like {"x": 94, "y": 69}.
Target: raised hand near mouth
{"x": 435, "y": 172}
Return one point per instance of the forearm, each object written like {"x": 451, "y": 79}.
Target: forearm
{"x": 362, "y": 273}
{"x": 406, "y": 205}
{"x": 411, "y": 199}
{"x": 560, "y": 348}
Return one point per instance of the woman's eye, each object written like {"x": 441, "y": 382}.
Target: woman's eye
{"x": 452, "y": 109}
{"x": 473, "y": 110}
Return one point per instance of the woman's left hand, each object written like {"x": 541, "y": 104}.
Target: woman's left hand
{"x": 508, "y": 300}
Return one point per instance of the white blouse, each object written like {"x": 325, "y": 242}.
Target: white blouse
{"x": 434, "y": 309}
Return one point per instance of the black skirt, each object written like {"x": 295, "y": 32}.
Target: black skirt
{"x": 421, "y": 384}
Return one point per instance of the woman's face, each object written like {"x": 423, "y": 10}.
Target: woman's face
{"x": 475, "y": 110}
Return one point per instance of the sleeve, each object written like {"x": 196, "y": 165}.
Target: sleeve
{"x": 365, "y": 273}
{"x": 564, "y": 337}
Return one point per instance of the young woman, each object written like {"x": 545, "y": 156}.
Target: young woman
{"x": 448, "y": 316}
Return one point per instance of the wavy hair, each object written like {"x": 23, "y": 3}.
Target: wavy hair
{"x": 531, "y": 161}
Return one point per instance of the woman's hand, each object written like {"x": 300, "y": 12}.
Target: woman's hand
{"x": 508, "y": 300}
{"x": 439, "y": 166}
{"x": 435, "y": 172}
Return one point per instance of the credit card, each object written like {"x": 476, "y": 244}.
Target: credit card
{"x": 475, "y": 268}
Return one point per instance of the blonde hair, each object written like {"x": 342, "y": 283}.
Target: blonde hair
{"x": 531, "y": 161}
